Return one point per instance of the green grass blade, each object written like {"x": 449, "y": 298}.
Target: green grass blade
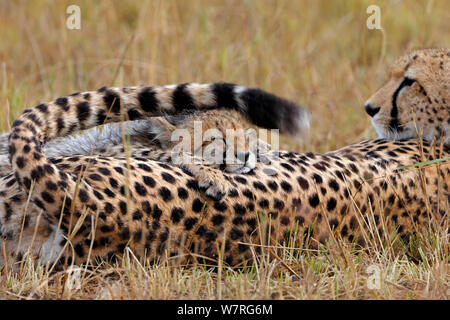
{"x": 425, "y": 163}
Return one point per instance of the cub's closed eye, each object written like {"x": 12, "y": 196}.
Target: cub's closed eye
{"x": 217, "y": 138}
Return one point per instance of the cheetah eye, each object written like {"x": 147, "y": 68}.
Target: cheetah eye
{"x": 407, "y": 82}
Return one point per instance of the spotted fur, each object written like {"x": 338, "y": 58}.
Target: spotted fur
{"x": 355, "y": 194}
{"x": 159, "y": 212}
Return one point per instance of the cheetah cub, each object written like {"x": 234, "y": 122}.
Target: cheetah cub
{"x": 171, "y": 139}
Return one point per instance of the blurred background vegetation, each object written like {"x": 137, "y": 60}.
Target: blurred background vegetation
{"x": 318, "y": 53}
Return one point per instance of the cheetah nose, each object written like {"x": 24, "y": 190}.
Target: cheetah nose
{"x": 244, "y": 156}
{"x": 371, "y": 109}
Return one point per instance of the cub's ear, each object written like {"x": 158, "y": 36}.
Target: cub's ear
{"x": 162, "y": 130}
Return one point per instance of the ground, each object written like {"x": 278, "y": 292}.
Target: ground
{"x": 318, "y": 53}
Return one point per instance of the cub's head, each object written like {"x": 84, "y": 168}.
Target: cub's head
{"x": 220, "y": 138}
{"x": 416, "y": 97}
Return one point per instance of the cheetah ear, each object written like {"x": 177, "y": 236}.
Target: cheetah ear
{"x": 162, "y": 130}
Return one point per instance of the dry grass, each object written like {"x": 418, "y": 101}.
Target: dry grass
{"x": 318, "y": 53}
{"x": 418, "y": 271}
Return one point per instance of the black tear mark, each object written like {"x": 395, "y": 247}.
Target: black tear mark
{"x": 394, "y": 125}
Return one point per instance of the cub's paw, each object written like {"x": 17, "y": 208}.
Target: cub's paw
{"x": 213, "y": 181}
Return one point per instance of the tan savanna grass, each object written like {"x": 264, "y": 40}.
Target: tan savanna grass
{"x": 318, "y": 53}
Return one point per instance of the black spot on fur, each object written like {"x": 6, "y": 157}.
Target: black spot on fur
{"x": 42, "y": 107}
{"x": 189, "y": 223}
{"x": 333, "y": 185}
{"x": 288, "y": 167}
{"x": 314, "y": 200}
{"x": 79, "y": 250}
{"x": 123, "y": 207}
{"x": 258, "y": 185}
{"x": 317, "y": 178}
{"x": 285, "y": 220}
{"x": 165, "y": 194}
{"x": 264, "y": 204}
{"x": 101, "y": 117}
{"x": 125, "y": 233}
{"x": 236, "y": 234}
{"x": 20, "y": 162}
{"x": 108, "y": 207}
{"x": 134, "y": 114}
{"x": 109, "y": 193}
{"x": 148, "y": 100}
{"x": 104, "y": 171}
{"x": 303, "y": 183}
{"x": 286, "y": 186}
{"x": 193, "y": 185}
{"x": 240, "y": 179}
{"x": 181, "y": 99}
{"x": 83, "y": 111}
{"x": 168, "y": 177}
{"x": 157, "y": 212}
{"x": 137, "y": 215}
{"x": 331, "y": 204}
{"x": 224, "y": 93}
{"x": 51, "y": 186}
{"x": 105, "y": 228}
{"x": 197, "y": 205}
{"x": 149, "y": 181}
{"x": 146, "y": 207}
{"x": 220, "y": 206}
{"x": 83, "y": 196}
{"x": 26, "y": 182}
{"x": 95, "y": 177}
{"x": 140, "y": 189}
{"x": 248, "y": 194}
{"x": 272, "y": 185}
{"x": 239, "y": 209}
{"x": 217, "y": 219}
{"x": 62, "y": 102}
{"x": 176, "y": 215}
{"x": 182, "y": 193}
{"x": 278, "y": 204}
{"x": 144, "y": 167}
{"x": 112, "y": 101}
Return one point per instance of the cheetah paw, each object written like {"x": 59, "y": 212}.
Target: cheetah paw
{"x": 215, "y": 184}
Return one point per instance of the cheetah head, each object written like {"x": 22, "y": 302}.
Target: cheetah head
{"x": 415, "y": 100}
